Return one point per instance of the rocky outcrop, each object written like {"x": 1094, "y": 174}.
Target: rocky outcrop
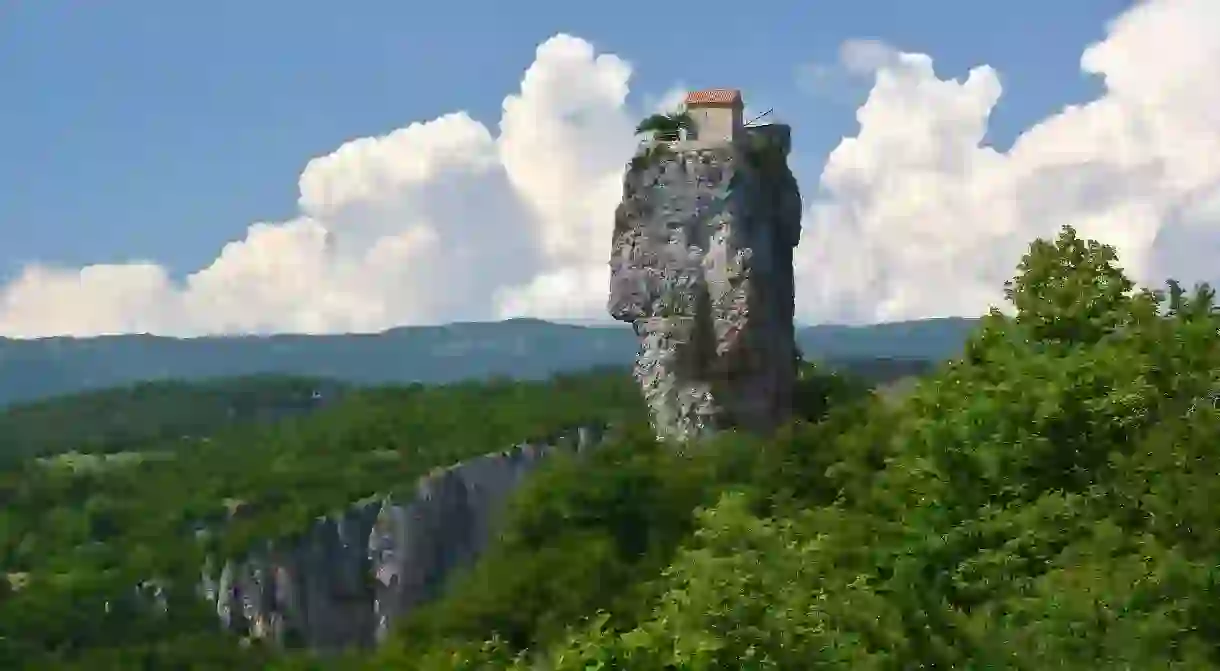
{"x": 701, "y": 265}
{"x": 345, "y": 581}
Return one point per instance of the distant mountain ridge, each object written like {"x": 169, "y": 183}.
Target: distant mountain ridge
{"x": 517, "y": 348}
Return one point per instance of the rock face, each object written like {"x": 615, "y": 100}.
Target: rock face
{"x": 701, "y": 265}
{"x": 344, "y": 582}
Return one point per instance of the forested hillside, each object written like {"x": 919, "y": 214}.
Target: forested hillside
{"x": 516, "y": 348}
{"x": 72, "y": 540}
{"x": 162, "y": 415}
{"x": 1044, "y": 500}
{"x": 153, "y": 414}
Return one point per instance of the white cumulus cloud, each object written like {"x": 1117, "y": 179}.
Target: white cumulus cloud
{"x": 913, "y": 216}
{"x": 917, "y": 218}
{"x": 436, "y": 221}
{"x": 866, "y": 56}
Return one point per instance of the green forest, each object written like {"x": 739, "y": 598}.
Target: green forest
{"x": 151, "y": 415}
{"x": 1041, "y": 500}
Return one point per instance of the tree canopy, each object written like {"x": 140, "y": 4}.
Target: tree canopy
{"x": 1043, "y": 500}
{"x": 665, "y": 125}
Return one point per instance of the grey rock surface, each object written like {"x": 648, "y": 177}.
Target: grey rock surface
{"x": 344, "y": 582}
{"x": 701, "y": 265}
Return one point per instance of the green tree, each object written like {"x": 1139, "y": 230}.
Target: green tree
{"x": 1039, "y": 503}
{"x": 1070, "y": 291}
{"x": 665, "y": 126}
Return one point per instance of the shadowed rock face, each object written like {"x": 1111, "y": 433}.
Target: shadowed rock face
{"x": 701, "y": 265}
{"x": 344, "y": 582}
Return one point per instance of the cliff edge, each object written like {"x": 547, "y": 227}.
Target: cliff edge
{"x": 348, "y": 578}
{"x": 701, "y": 265}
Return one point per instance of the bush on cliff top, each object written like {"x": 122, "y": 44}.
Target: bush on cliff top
{"x": 665, "y": 126}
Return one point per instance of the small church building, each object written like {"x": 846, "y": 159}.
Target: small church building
{"x": 717, "y": 115}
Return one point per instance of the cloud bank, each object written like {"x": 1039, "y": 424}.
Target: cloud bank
{"x": 911, "y": 217}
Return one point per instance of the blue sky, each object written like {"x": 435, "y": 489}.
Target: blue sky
{"x": 141, "y": 129}
{"x": 273, "y": 166}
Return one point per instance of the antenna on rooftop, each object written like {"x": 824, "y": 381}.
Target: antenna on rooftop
{"x": 759, "y": 117}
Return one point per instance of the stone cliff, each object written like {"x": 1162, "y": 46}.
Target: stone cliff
{"x": 701, "y": 265}
{"x": 345, "y": 581}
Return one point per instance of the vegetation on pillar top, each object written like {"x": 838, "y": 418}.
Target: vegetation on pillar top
{"x": 762, "y": 148}
{"x": 666, "y": 127}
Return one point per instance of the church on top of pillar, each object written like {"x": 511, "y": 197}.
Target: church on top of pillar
{"x": 717, "y": 115}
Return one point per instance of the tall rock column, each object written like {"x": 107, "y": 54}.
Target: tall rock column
{"x": 701, "y": 265}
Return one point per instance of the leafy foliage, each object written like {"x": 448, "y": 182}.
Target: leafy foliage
{"x": 1040, "y": 503}
{"x": 665, "y": 126}
{"x": 1046, "y": 500}
{"x": 81, "y": 538}
{"x": 153, "y": 414}
{"x": 585, "y": 534}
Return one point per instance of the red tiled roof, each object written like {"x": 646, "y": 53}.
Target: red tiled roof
{"x": 714, "y": 97}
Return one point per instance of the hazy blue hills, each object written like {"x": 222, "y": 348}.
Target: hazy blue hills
{"x": 518, "y": 348}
